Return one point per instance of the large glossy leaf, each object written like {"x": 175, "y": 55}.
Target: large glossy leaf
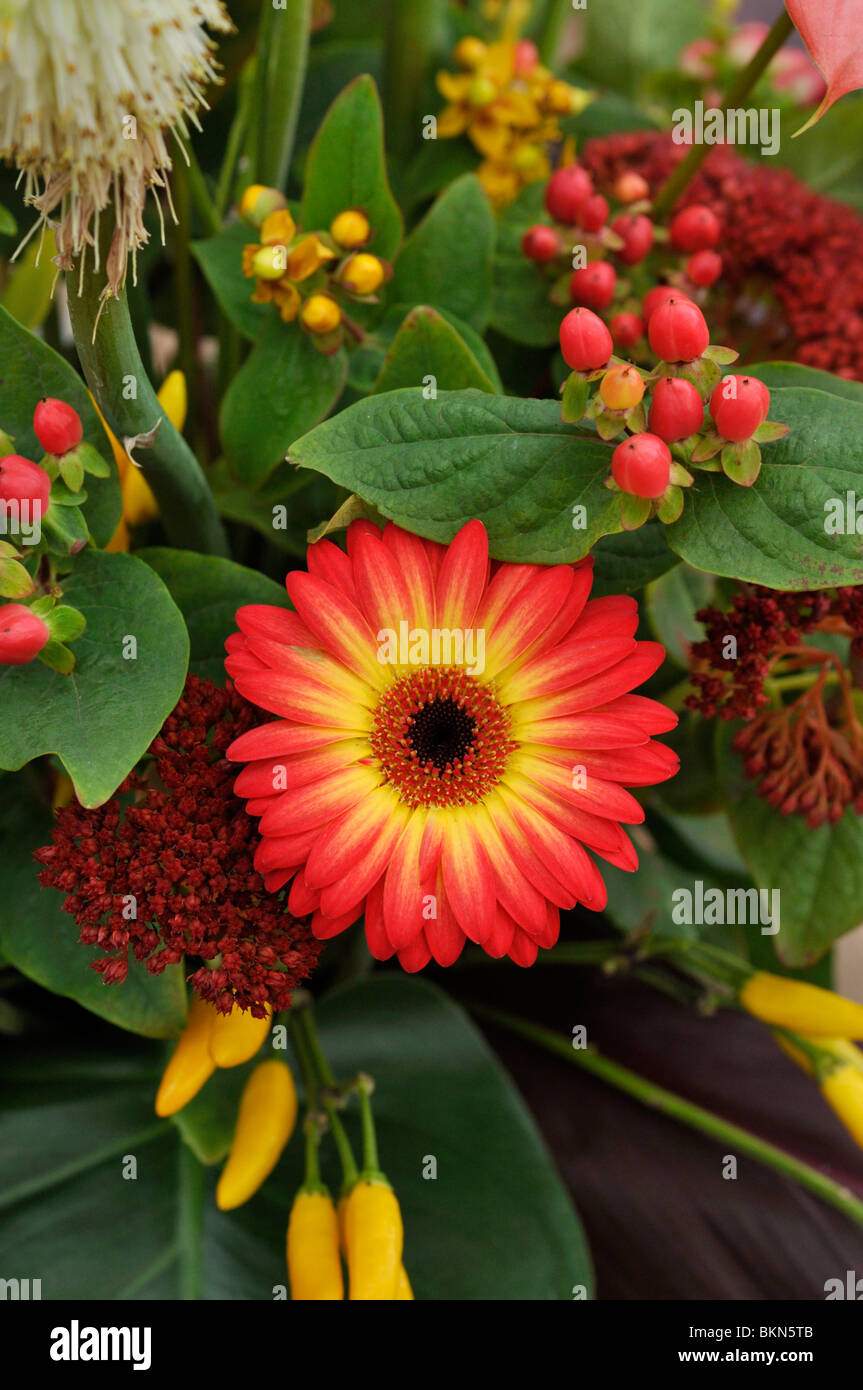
{"x": 283, "y": 388}
{"x": 208, "y": 591}
{"x": 432, "y": 465}
{"x": 447, "y": 261}
{"x": 774, "y": 532}
{"x": 221, "y": 259}
{"x": 41, "y": 940}
{"x": 495, "y": 1223}
{"x": 102, "y": 717}
{"x": 629, "y": 560}
{"x": 30, "y": 370}
{"x": 346, "y": 169}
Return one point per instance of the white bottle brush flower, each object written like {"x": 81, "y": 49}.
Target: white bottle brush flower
{"x": 88, "y": 97}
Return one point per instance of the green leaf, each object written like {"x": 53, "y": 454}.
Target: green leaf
{"x": 65, "y": 529}
{"x": 625, "y": 43}
{"x": 521, "y": 308}
{"x": 626, "y": 562}
{"x": 672, "y": 602}
{"x": 41, "y": 940}
{"x": 284, "y": 388}
{"x": 426, "y": 345}
{"x": 774, "y": 532}
{"x": 432, "y": 465}
{"x": 208, "y": 591}
{"x": 30, "y": 371}
{"x": 793, "y": 375}
{"x": 828, "y": 157}
{"x": 221, "y": 260}
{"x": 447, "y": 260}
{"x": 100, "y": 719}
{"x": 346, "y": 168}
{"x": 819, "y": 873}
{"x": 495, "y": 1224}
{"x": 8, "y": 225}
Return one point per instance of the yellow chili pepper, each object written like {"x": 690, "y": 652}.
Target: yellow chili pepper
{"x": 314, "y": 1266}
{"x": 842, "y": 1089}
{"x": 139, "y": 502}
{"x": 236, "y": 1037}
{"x": 265, "y": 1122}
{"x": 801, "y": 1007}
{"x": 374, "y": 1237}
{"x": 403, "y": 1283}
{"x": 191, "y": 1064}
{"x": 404, "y": 1292}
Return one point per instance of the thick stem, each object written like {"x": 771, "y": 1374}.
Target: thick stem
{"x": 688, "y": 167}
{"x": 657, "y": 1098}
{"x": 115, "y": 374}
{"x": 411, "y": 39}
{"x": 283, "y": 48}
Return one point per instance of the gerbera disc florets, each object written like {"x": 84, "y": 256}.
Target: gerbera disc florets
{"x": 442, "y": 737}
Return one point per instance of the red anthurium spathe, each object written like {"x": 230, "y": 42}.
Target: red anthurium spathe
{"x": 453, "y": 737}
{"x": 833, "y": 33}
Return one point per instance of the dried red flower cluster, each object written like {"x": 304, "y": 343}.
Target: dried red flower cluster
{"x": 807, "y": 754}
{"x": 779, "y": 239}
{"x": 177, "y": 840}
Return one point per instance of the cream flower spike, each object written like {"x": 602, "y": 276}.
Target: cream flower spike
{"x": 88, "y": 96}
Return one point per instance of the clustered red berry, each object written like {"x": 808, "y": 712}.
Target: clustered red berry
{"x": 179, "y": 841}
{"x": 739, "y": 405}
{"x": 806, "y": 755}
{"x": 21, "y": 480}
{"x": 584, "y": 340}
{"x": 57, "y": 426}
{"x": 676, "y": 409}
{"x": 677, "y": 330}
{"x": 22, "y": 634}
{"x": 641, "y": 465}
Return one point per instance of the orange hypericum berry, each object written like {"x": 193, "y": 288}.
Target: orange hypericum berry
{"x": 320, "y": 314}
{"x": 621, "y": 388}
{"x": 258, "y": 202}
{"x": 363, "y": 274}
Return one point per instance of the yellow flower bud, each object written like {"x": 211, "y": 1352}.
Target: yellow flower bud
{"x": 469, "y": 52}
{"x": 191, "y": 1064}
{"x": 269, "y": 262}
{"x": 374, "y": 1236}
{"x": 363, "y": 274}
{"x": 350, "y": 229}
{"x": 559, "y": 98}
{"x": 265, "y": 1122}
{"x": 236, "y": 1037}
{"x": 843, "y": 1091}
{"x": 314, "y": 1267}
{"x": 801, "y": 1007}
{"x": 320, "y": 314}
{"x": 258, "y": 202}
{"x": 481, "y": 91}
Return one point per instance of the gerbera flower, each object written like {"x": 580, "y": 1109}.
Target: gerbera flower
{"x": 454, "y": 737}
{"x": 89, "y": 95}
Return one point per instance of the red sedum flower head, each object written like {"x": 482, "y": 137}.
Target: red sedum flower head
{"x": 454, "y": 737}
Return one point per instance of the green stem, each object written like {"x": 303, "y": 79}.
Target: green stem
{"x": 190, "y": 1223}
{"x": 371, "y": 1162}
{"x": 328, "y": 1081}
{"x": 246, "y": 92}
{"x": 283, "y": 47}
{"x": 657, "y": 1098}
{"x": 689, "y": 166}
{"x": 312, "y": 1179}
{"x": 112, "y": 366}
{"x": 411, "y": 39}
{"x": 199, "y": 192}
{"x": 557, "y": 17}
{"x": 183, "y": 284}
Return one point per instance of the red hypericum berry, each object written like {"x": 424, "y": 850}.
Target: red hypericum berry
{"x": 637, "y": 235}
{"x": 626, "y": 329}
{"x": 677, "y": 331}
{"x": 739, "y": 404}
{"x": 594, "y": 214}
{"x": 621, "y": 388}
{"x": 696, "y": 228}
{"x": 704, "y": 268}
{"x": 526, "y": 57}
{"x": 566, "y": 193}
{"x": 540, "y": 243}
{"x": 584, "y": 340}
{"x": 660, "y": 294}
{"x": 594, "y": 285}
{"x": 21, "y": 480}
{"x": 631, "y": 186}
{"x": 676, "y": 410}
{"x": 642, "y": 465}
{"x": 22, "y": 635}
{"x": 57, "y": 425}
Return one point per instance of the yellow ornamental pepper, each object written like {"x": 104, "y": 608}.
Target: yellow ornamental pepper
{"x": 139, "y": 502}
{"x": 265, "y": 1122}
{"x": 191, "y": 1064}
{"x": 374, "y": 1237}
{"x": 404, "y": 1292}
{"x": 314, "y": 1266}
{"x": 842, "y": 1089}
{"x": 801, "y": 1007}
{"x": 236, "y": 1037}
